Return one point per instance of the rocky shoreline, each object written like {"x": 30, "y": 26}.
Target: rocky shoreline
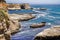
{"x": 15, "y": 23}
{"x": 10, "y": 23}
{"x": 16, "y": 19}
{"x": 21, "y": 17}
{"x": 52, "y": 33}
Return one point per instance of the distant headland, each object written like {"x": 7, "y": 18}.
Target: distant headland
{"x": 18, "y": 6}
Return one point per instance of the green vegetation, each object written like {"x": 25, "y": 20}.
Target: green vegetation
{"x": 4, "y": 17}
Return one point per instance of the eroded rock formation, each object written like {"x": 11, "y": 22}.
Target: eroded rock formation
{"x": 7, "y": 26}
{"x": 14, "y": 6}
{"x": 18, "y": 6}
{"x": 25, "y": 6}
{"x": 21, "y": 17}
{"x": 52, "y": 33}
{"x": 4, "y": 25}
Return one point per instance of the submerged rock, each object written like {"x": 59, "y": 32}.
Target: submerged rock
{"x": 21, "y": 17}
{"x": 38, "y": 25}
{"x": 52, "y": 33}
{"x": 43, "y": 9}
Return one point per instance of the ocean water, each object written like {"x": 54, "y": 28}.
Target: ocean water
{"x": 51, "y": 16}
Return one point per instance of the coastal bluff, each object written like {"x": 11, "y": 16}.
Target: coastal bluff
{"x": 18, "y": 6}
{"x": 14, "y": 23}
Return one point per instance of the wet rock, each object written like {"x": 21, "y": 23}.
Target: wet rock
{"x": 52, "y": 33}
{"x": 43, "y": 9}
{"x": 21, "y": 17}
{"x": 38, "y": 25}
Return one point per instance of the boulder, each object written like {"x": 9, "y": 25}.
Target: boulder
{"x": 52, "y": 33}
{"x": 21, "y": 17}
{"x": 38, "y": 25}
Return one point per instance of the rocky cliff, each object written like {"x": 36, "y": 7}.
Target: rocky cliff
{"x": 18, "y": 6}
{"x": 13, "y": 6}
{"x": 25, "y": 6}
{"x": 7, "y": 26}
{"x": 9, "y": 23}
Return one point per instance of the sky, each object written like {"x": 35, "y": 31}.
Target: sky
{"x": 34, "y": 1}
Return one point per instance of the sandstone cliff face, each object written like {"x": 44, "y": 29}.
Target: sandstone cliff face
{"x": 4, "y": 25}
{"x": 2, "y": 37}
{"x": 14, "y": 26}
{"x": 18, "y": 6}
{"x": 14, "y": 6}
{"x": 7, "y": 26}
{"x": 25, "y": 6}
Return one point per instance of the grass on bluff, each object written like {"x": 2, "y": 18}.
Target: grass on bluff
{"x": 4, "y": 17}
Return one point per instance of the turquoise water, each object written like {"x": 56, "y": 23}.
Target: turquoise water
{"x": 51, "y": 16}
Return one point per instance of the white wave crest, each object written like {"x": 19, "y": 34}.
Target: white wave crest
{"x": 48, "y": 23}
{"x": 54, "y": 12}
